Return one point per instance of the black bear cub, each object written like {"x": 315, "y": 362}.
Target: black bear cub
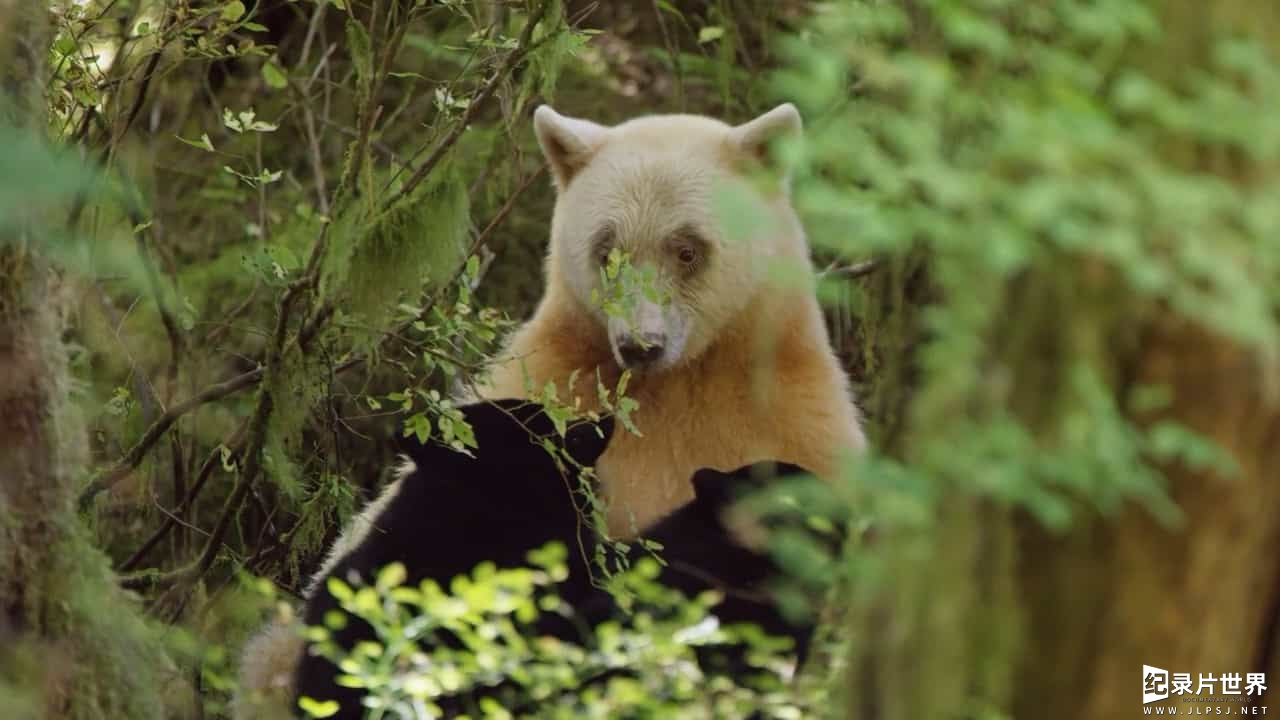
{"x": 453, "y": 512}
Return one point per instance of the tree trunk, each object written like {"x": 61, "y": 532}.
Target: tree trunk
{"x": 70, "y": 644}
{"x": 1202, "y": 597}
{"x": 1126, "y": 592}
{"x": 982, "y": 612}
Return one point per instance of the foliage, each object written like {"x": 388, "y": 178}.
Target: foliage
{"x": 471, "y": 644}
{"x": 1024, "y": 171}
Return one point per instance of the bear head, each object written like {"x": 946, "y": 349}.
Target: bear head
{"x": 678, "y": 195}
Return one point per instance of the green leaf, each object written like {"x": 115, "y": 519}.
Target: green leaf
{"x": 318, "y": 709}
{"x": 274, "y": 76}
{"x": 419, "y": 426}
{"x": 338, "y": 589}
{"x": 204, "y": 143}
{"x": 668, "y": 8}
{"x": 233, "y": 10}
{"x": 391, "y": 576}
{"x": 710, "y": 33}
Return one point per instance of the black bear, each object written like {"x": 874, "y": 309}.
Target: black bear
{"x": 453, "y": 512}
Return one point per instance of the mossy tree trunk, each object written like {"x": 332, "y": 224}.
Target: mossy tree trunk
{"x": 33, "y": 481}
{"x": 1120, "y": 593}
{"x": 992, "y": 615}
{"x": 1203, "y": 596}
{"x": 71, "y": 646}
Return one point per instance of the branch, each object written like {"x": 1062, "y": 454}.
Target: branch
{"x": 856, "y": 270}
{"x": 157, "y": 289}
{"x": 234, "y": 443}
{"x": 114, "y": 137}
{"x": 252, "y": 465}
{"x": 512, "y": 59}
{"x": 256, "y": 439}
{"x": 476, "y": 245}
{"x": 133, "y": 458}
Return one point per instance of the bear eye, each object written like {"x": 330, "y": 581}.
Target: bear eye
{"x": 602, "y": 243}
{"x": 688, "y": 247}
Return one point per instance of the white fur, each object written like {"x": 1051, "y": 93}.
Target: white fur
{"x": 750, "y": 375}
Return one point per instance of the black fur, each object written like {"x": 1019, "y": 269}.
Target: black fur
{"x": 702, "y": 553}
{"x": 454, "y": 512}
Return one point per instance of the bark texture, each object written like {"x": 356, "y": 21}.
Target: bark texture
{"x": 71, "y": 644}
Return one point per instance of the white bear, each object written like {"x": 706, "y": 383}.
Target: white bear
{"x": 732, "y": 364}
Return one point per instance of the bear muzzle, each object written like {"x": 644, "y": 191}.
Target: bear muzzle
{"x": 639, "y": 352}
{"x": 650, "y": 337}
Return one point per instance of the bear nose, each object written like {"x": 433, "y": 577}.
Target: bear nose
{"x": 640, "y": 351}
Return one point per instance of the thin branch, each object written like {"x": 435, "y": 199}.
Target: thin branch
{"x": 113, "y": 136}
{"x": 214, "y": 335}
{"x": 509, "y": 63}
{"x": 856, "y": 270}
{"x": 476, "y": 244}
{"x": 202, "y": 476}
{"x": 252, "y": 465}
{"x": 157, "y": 290}
{"x": 257, "y": 426}
{"x": 673, "y": 52}
{"x": 317, "y": 157}
{"x": 133, "y": 458}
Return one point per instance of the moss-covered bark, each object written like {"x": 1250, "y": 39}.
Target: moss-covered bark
{"x": 71, "y": 645}
{"x": 1199, "y": 597}
{"x": 1196, "y": 598}
{"x": 990, "y": 614}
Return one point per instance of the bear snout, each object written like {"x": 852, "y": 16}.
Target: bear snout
{"x": 640, "y": 351}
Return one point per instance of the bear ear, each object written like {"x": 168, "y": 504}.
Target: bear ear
{"x": 718, "y": 489}
{"x": 586, "y": 441}
{"x": 753, "y": 138}
{"x": 712, "y": 487}
{"x": 567, "y": 143}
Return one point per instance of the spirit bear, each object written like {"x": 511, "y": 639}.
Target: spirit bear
{"x": 732, "y": 363}
{"x": 499, "y": 506}
{"x": 736, "y": 368}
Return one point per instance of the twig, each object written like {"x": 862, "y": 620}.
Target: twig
{"x": 306, "y": 333}
{"x": 477, "y": 243}
{"x": 317, "y": 157}
{"x": 114, "y": 137}
{"x": 252, "y": 464}
{"x": 219, "y": 330}
{"x": 206, "y": 470}
{"x": 157, "y": 290}
{"x": 257, "y": 426}
{"x": 449, "y": 140}
{"x": 673, "y": 52}
{"x": 856, "y": 270}
{"x": 134, "y": 457}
